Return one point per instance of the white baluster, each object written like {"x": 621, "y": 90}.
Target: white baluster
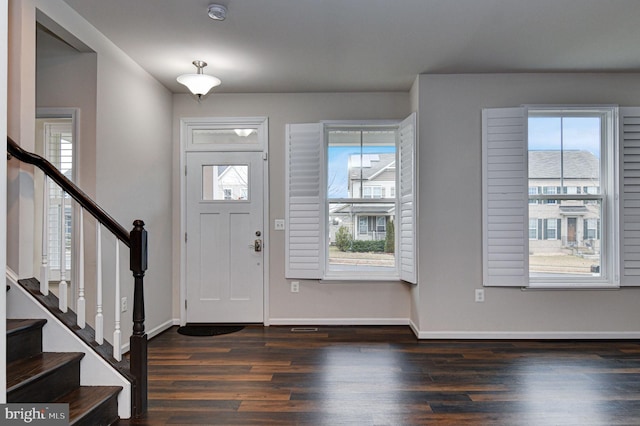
{"x": 99, "y": 319}
{"x": 81, "y": 305}
{"x": 44, "y": 267}
{"x": 62, "y": 286}
{"x": 117, "y": 344}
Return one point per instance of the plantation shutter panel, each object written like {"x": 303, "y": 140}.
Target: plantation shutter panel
{"x": 505, "y": 197}
{"x": 559, "y": 229}
{"x": 305, "y": 209}
{"x": 629, "y": 196}
{"x": 407, "y": 217}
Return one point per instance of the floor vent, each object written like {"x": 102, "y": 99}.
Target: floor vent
{"x": 304, "y": 329}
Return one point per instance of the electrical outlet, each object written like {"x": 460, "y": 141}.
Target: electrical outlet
{"x": 123, "y": 305}
{"x": 279, "y": 224}
{"x": 295, "y": 286}
{"x": 480, "y": 295}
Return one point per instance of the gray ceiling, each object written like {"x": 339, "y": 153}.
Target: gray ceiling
{"x": 367, "y": 45}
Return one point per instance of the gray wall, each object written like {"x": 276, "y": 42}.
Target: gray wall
{"x": 335, "y": 301}
{"x": 450, "y": 208}
{"x": 132, "y": 149}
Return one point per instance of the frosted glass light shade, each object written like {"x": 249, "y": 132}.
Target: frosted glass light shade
{"x": 199, "y": 84}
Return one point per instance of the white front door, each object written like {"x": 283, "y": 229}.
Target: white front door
{"x": 224, "y": 253}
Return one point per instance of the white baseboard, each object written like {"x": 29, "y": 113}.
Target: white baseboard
{"x": 528, "y": 335}
{"x": 12, "y": 276}
{"x": 155, "y": 331}
{"x": 338, "y": 321}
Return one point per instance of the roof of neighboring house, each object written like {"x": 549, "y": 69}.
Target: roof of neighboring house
{"x": 373, "y": 164}
{"x": 577, "y": 165}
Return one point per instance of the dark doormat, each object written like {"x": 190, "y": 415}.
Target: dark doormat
{"x": 208, "y": 329}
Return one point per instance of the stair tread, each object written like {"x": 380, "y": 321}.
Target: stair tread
{"x": 85, "y": 399}
{"x": 15, "y": 326}
{"x": 28, "y": 369}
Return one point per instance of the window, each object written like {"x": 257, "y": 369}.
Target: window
{"x": 591, "y": 230}
{"x": 374, "y": 191}
{"x": 551, "y": 229}
{"x": 547, "y": 190}
{"x": 533, "y": 229}
{"x": 225, "y": 182}
{"x": 566, "y": 156}
{"x": 59, "y": 151}
{"x": 361, "y": 162}
{"x": 342, "y": 204}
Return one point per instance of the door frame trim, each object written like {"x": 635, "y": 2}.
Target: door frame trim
{"x": 186, "y": 125}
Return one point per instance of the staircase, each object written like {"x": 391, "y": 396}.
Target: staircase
{"x": 37, "y": 376}
{"x": 34, "y": 376}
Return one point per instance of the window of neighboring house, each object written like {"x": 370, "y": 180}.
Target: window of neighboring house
{"x": 228, "y": 193}
{"x": 373, "y": 192}
{"x": 363, "y": 227}
{"x": 549, "y": 190}
{"x": 591, "y": 229}
{"x": 341, "y": 184}
{"x": 533, "y": 229}
{"x": 551, "y": 229}
{"x": 569, "y": 155}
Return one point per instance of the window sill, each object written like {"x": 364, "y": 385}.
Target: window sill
{"x": 569, "y": 286}
{"x": 346, "y": 279}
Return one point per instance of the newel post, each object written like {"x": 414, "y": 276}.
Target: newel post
{"x": 138, "y": 340}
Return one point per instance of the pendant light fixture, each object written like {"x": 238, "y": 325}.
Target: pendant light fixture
{"x": 199, "y": 84}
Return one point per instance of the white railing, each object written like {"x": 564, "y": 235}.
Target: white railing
{"x": 79, "y": 260}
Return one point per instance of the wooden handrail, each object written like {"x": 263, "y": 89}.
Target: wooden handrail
{"x": 70, "y": 188}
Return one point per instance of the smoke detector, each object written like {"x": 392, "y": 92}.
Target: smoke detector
{"x": 217, "y": 12}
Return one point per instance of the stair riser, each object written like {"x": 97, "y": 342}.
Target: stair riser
{"x": 49, "y": 387}
{"x": 24, "y": 344}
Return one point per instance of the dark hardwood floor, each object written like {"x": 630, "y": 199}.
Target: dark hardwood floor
{"x": 385, "y": 376}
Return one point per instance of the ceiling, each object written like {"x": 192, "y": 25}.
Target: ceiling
{"x": 366, "y": 45}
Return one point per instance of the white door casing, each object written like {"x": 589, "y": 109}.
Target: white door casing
{"x": 224, "y": 205}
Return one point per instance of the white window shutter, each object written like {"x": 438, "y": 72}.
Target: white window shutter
{"x": 630, "y": 196}
{"x": 407, "y": 218}
{"x": 305, "y": 207}
{"x": 505, "y": 197}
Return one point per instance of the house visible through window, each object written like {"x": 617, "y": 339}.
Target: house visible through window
{"x": 565, "y": 159}
{"x": 361, "y": 170}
